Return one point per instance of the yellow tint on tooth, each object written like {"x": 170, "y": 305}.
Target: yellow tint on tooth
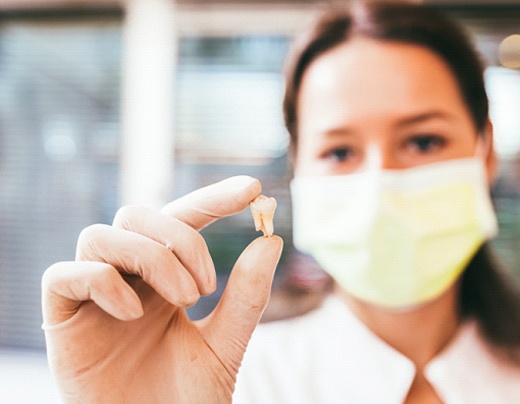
{"x": 262, "y": 209}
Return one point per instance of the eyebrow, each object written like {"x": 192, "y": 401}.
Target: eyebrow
{"x": 401, "y": 123}
{"x": 422, "y": 117}
{"x": 338, "y": 131}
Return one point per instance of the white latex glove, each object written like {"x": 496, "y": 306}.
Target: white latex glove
{"x": 114, "y": 319}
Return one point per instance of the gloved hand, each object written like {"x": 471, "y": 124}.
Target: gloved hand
{"x": 114, "y": 319}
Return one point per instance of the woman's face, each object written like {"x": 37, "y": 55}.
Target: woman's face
{"x": 369, "y": 104}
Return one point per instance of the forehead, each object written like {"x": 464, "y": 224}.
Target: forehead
{"x": 365, "y": 77}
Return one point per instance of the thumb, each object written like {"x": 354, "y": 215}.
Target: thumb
{"x": 229, "y": 328}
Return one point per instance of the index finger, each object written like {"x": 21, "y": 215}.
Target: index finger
{"x": 200, "y": 208}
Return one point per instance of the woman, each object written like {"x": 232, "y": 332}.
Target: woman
{"x": 393, "y": 161}
{"x": 387, "y": 112}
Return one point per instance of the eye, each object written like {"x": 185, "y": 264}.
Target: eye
{"x": 339, "y": 154}
{"x": 425, "y": 143}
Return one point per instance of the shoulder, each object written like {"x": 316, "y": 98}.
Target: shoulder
{"x": 326, "y": 309}
{"x": 495, "y": 358}
{"x": 283, "y": 345}
{"x": 283, "y": 354}
{"x": 326, "y": 355}
{"x": 469, "y": 363}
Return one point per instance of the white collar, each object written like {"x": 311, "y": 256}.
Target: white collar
{"x": 465, "y": 371}
{"x": 338, "y": 357}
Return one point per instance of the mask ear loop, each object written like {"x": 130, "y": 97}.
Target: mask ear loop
{"x": 485, "y": 139}
{"x": 483, "y": 145}
{"x": 485, "y": 152}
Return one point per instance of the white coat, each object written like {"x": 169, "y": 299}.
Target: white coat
{"x": 329, "y": 356}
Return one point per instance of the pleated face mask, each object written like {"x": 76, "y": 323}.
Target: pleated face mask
{"x": 395, "y": 238}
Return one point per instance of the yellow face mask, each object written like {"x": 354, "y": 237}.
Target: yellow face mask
{"x": 395, "y": 238}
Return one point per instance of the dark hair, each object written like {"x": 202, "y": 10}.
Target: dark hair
{"x": 390, "y": 21}
{"x": 491, "y": 295}
{"x": 488, "y": 294}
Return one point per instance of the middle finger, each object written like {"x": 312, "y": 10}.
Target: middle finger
{"x": 185, "y": 242}
{"x": 135, "y": 254}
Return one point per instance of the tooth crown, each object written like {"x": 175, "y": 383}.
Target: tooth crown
{"x": 262, "y": 209}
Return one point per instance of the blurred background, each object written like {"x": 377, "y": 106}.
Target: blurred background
{"x": 107, "y": 102}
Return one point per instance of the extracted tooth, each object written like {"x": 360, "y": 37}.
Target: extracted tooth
{"x": 262, "y": 209}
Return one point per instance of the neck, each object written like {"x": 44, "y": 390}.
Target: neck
{"x": 420, "y": 333}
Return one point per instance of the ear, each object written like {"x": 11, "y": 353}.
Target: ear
{"x": 490, "y": 153}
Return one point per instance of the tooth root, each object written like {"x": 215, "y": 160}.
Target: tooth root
{"x": 257, "y": 217}
{"x": 262, "y": 209}
{"x": 268, "y": 227}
